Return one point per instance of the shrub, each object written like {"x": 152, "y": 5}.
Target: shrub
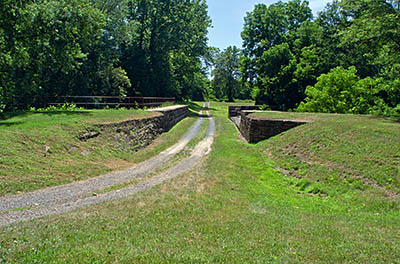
{"x": 342, "y": 91}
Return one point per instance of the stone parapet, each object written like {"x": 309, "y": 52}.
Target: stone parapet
{"x": 255, "y": 129}
{"x": 237, "y": 109}
{"x": 172, "y": 115}
{"x": 138, "y": 133}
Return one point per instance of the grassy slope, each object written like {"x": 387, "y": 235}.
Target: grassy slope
{"x": 340, "y": 150}
{"x": 234, "y": 208}
{"x": 24, "y": 165}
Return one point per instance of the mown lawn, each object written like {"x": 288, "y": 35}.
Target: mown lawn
{"x": 236, "y": 207}
{"x": 25, "y": 165}
{"x": 340, "y": 151}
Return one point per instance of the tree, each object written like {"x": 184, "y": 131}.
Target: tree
{"x": 165, "y": 30}
{"x": 44, "y": 44}
{"x": 226, "y": 74}
{"x": 270, "y": 43}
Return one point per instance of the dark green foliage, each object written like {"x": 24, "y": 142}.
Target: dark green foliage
{"x": 45, "y": 43}
{"x": 129, "y": 47}
{"x": 286, "y": 51}
{"x": 164, "y": 56}
{"x": 273, "y": 36}
{"x": 226, "y": 75}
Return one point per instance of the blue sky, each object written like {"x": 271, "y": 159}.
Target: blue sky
{"x": 227, "y": 19}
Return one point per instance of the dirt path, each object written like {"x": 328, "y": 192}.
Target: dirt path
{"x": 65, "y": 198}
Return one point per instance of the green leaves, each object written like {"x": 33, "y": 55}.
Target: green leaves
{"x": 104, "y": 47}
{"x": 49, "y": 41}
{"x": 165, "y": 30}
{"x": 226, "y": 75}
{"x": 286, "y": 52}
{"x": 342, "y": 91}
{"x": 272, "y": 36}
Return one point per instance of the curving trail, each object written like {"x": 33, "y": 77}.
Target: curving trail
{"x": 65, "y": 198}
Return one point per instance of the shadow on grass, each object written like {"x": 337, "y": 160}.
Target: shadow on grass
{"x": 196, "y": 114}
{"x": 193, "y": 113}
{"x": 51, "y": 113}
{"x": 385, "y": 118}
{"x": 8, "y": 124}
{"x": 9, "y": 115}
{"x": 195, "y": 107}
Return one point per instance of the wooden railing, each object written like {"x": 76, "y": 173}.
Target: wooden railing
{"x": 110, "y": 101}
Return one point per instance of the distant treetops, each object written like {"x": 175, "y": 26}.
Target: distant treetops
{"x": 345, "y": 60}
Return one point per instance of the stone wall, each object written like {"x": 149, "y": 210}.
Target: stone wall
{"x": 172, "y": 115}
{"x": 138, "y": 133}
{"x": 237, "y": 109}
{"x": 255, "y": 129}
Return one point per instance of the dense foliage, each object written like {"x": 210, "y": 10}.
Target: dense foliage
{"x": 345, "y": 60}
{"x": 102, "y": 47}
{"x": 226, "y": 76}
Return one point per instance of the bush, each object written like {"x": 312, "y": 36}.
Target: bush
{"x": 332, "y": 93}
{"x": 342, "y": 91}
{"x": 53, "y": 108}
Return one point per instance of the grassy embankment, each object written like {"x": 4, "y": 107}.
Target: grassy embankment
{"x": 25, "y": 165}
{"x": 236, "y": 208}
{"x": 338, "y": 153}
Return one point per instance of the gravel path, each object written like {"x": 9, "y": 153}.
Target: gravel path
{"x": 68, "y": 197}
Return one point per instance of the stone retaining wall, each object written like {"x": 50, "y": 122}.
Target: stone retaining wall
{"x": 255, "y": 129}
{"x": 138, "y": 133}
{"x": 172, "y": 115}
{"x": 237, "y": 109}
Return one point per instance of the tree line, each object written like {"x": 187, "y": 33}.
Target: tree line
{"x": 345, "y": 60}
{"x": 102, "y": 47}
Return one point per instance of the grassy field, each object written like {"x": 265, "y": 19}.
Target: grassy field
{"x": 25, "y": 165}
{"x": 236, "y": 207}
{"x": 339, "y": 151}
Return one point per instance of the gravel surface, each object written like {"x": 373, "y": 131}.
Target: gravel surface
{"x": 68, "y": 197}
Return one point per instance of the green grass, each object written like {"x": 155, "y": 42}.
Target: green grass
{"x": 185, "y": 153}
{"x": 25, "y": 166}
{"x": 233, "y": 208}
{"x": 340, "y": 151}
{"x": 32, "y": 120}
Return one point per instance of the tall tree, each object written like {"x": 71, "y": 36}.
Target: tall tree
{"x": 165, "y": 29}
{"x": 226, "y": 74}
{"x": 269, "y": 45}
{"x": 43, "y": 44}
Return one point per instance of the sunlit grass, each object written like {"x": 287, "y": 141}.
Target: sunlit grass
{"x": 235, "y": 207}
{"x": 25, "y": 165}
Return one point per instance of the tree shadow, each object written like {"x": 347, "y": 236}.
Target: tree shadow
{"x": 204, "y": 116}
{"x": 385, "y": 118}
{"x": 51, "y": 113}
{"x": 9, "y": 115}
{"x": 195, "y": 107}
{"x": 193, "y": 113}
{"x": 8, "y": 124}
{"x": 6, "y": 116}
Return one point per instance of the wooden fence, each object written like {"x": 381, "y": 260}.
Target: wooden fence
{"x": 92, "y": 102}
